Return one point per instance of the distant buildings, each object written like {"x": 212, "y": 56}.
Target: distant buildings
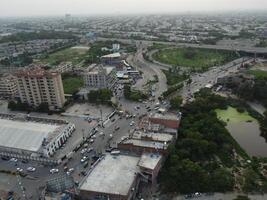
{"x": 100, "y": 77}
{"x": 37, "y": 85}
{"x": 8, "y": 86}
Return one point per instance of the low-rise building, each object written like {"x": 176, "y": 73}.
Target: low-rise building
{"x": 113, "y": 178}
{"x": 8, "y": 86}
{"x": 150, "y": 164}
{"x": 169, "y": 120}
{"x": 111, "y": 59}
{"x": 32, "y": 136}
{"x": 100, "y": 77}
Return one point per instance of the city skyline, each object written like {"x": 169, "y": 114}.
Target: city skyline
{"x": 90, "y": 7}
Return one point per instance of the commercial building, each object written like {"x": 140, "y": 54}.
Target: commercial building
{"x": 100, "y": 77}
{"x": 37, "y": 85}
{"x": 111, "y": 59}
{"x": 169, "y": 120}
{"x": 150, "y": 164}
{"x": 32, "y": 136}
{"x": 8, "y": 86}
{"x": 113, "y": 178}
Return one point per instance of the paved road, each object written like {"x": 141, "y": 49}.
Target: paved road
{"x": 149, "y": 70}
{"x": 218, "y": 47}
{"x": 210, "y": 77}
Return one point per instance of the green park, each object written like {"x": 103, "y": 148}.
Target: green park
{"x": 198, "y": 59}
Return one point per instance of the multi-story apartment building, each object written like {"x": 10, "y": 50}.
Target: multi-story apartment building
{"x": 100, "y": 77}
{"x": 8, "y": 86}
{"x": 37, "y": 85}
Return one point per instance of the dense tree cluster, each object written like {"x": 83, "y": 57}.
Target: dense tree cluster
{"x": 204, "y": 150}
{"x": 176, "y": 102}
{"x": 100, "y": 96}
{"x": 134, "y": 95}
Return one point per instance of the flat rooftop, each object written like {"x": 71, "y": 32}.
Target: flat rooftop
{"x": 162, "y": 137}
{"x": 144, "y": 143}
{"x": 168, "y": 116}
{"x": 113, "y": 55}
{"x": 24, "y": 135}
{"x": 149, "y": 160}
{"x": 112, "y": 175}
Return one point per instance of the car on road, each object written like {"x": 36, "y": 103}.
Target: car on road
{"x": 132, "y": 123}
{"x": 117, "y": 128}
{"x": 19, "y": 169}
{"x": 89, "y": 150}
{"x": 31, "y": 169}
{"x": 83, "y": 151}
{"x": 91, "y": 140}
{"x": 70, "y": 171}
{"x": 13, "y": 160}
{"x": 52, "y": 171}
{"x": 5, "y": 158}
{"x": 84, "y": 159}
{"x": 85, "y": 164}
{"x": 101, "y": 134}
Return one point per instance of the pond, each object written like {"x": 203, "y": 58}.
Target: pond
{"x": 245, "y": 130}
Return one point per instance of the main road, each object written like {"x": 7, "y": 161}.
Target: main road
{"x": 260, "y": 50}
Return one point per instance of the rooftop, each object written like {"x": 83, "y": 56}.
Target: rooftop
{"x": 113, "y": 55}
{"x": 35, "y": 72}
{"x": 112, "y": 175}
{"x": 163, "y": 137}
{"x": 145, "y": 143}
{"x": 25, "y": 135}
{"x": 168, "y": 116}
{"x": 149, "y": 160}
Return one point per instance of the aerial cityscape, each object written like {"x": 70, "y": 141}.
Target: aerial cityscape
{"x": 133, "y": 100}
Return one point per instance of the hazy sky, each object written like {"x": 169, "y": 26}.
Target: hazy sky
{"x": 60, "y": 7}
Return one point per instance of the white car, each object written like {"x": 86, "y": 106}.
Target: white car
{"x": 52, "y": 171}
{"x": 13, "y": 160}
{"x": 91, "y": 141}
{"x": 70, "y": 171}
{"x": 19, "y": 169}
{"x": 83, "y": 150}
{"x": 31, "y": 169}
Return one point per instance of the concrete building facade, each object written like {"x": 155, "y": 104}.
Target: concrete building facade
{"x": 37, "y": 85}
{"x": 100, "y": 77}
{"x": 8, "y": 86}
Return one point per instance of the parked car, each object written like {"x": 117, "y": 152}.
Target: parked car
{"x": 13, "y": 160}
{"x": 31, "y": 169}
{"x": 19, "y": 169}
{"x": 52, "y": 171}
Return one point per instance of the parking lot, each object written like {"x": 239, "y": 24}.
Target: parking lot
{"x": 91, "y": 110}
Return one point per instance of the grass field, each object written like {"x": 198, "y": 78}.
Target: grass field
{"x": 258, "y": 73}
{"x": 199, "y": 59}
{"x": 232, "y": 115}
{"x": 72, "y": 84}
{"x": 73, "y": 54}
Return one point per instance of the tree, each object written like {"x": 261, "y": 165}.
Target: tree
{"x": 176, "y": 102}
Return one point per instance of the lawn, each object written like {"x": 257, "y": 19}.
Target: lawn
{"x": 258, "y": 73}
{"x": 73, "y": 54}
{"x": 199, "y": 59}
{"x": 71, "y": 84}
{"x": 232, "y": 115}
{"x": 173, "y": 77}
